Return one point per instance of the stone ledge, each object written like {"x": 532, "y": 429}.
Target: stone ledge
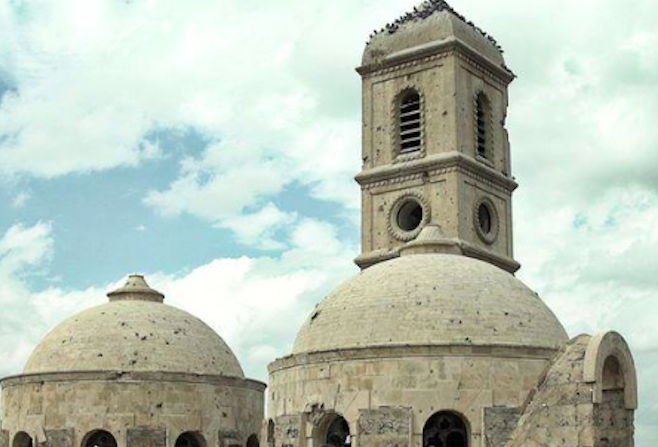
{"x": 118, "y": 376}
{"x": 403, "y": 351}
{"x": 451, "y": 159}
{"x": 448, "y": 45}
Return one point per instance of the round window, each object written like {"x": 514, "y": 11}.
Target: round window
{"x": 484, "y": 217}
{"x": 410, "y": 215}
{"x": 486, "y": 220}
{"x": 407, "y": 216}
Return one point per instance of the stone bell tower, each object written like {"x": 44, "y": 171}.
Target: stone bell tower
{"x": 435, "y": 147}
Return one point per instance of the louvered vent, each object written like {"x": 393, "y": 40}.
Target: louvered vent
{"x": 410, "y": 123}
{"x": 481, "y": 122}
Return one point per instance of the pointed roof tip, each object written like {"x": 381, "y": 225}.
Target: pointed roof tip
{"x": 136, "y": 289}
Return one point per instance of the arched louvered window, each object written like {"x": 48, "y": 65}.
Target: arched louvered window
{"x": 483, "y": 128}
{"x": 410, "y": 122}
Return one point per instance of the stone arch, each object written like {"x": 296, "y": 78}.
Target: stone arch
{"x": 99, "y": 438}
{"x": 252, "y": 441}
{"x": 446, "y": 429}
{"x": 190, "y": 439}
{"x": 609, "y": 365}
{"x": 22, "y": 439}
{"x": 333, "y": 430}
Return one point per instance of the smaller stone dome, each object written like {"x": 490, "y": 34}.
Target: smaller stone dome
{"x": 434, "y": 21}
{"x": 134, "y": 332}
{"x": 431, "y": 299}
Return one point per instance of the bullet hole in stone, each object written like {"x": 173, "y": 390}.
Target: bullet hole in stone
{"x": 159, "y": 405}
{"x": 144, "y": 338}
{"x": 224, "y": 415}
{"x": 100, "y": 355}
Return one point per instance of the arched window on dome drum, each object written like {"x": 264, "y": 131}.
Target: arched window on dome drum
{"x": 100, "y": 438}
{"x": 22, "y": 439}
{"x": 483, "y": 127}
{"x": 190, "y": 439}
{"x": 338, "y": 433}
{"x": 445, "y": 429}
{"x": 410, "y": 122}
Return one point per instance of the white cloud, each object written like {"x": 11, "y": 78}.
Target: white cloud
{"x": 238, "y": 297}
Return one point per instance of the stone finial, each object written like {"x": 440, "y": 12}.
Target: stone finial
{"x": 136, "y": 289}
{"x": 431, "y": 239}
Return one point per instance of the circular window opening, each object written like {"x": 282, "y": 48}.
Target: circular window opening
{"x": 410, "y": 216}
{"x": 485, "y": 219}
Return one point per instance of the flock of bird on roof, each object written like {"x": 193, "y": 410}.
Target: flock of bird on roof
{"x": 425, "y": 10}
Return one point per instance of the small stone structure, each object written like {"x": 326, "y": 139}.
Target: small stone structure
{"x": 131, "y": 373}
{"x": 434, "y": 344}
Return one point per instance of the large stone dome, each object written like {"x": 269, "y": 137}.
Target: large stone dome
{"x": 134, "y": 332}
{"x": 431, "y": 299}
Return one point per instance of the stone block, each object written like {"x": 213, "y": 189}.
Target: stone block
{"x": 57, "y": 438}
{"x": 146, "y": 437}
{"x": 499, "y": 423}
{"x": 385, "y": 427}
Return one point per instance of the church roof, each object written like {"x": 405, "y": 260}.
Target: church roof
{"x": 431, "y": 299}
{"x": 134, "y": 332}
{"x": 425, "y": 10}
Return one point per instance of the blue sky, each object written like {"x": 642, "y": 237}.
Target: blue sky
{"x": 211, "y": 145}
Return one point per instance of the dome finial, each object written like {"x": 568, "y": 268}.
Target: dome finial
{"x": 431, "y": 239}
{"x": 136, "y": 289}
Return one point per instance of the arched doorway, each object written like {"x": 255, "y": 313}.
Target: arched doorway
{"x": 445, "y": 429}
{"x": 252, "y": 441}
{"x": 22, "y": 439}
{"x": 190, "y": 439}
{"x": 338, "y": 433}
{"x": 100, "y": 438}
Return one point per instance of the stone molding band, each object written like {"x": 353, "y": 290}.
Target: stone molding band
{"x": 118, "y": 376}
{"x": 417, "y": 55}
{"x": 402, "y": 351}
{"x": 450, "y": 160}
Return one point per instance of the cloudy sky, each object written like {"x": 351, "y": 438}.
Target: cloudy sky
{"x": 211, "y": 145}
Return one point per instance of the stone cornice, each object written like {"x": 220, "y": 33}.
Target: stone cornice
{"x": 421, "y": 53}
{"x": 118, "y": 376}
{"x": 366, "y": 260}
{"x": 393, "y": 352}
{"x": 435, "y": 164}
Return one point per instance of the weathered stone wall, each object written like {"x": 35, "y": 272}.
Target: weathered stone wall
{"x": 288, "y": 431}
{"x": 458, "y": 380}
{"x": 499, "y": 423}
{"x": 4, "y": 438}
{"x": 136, "y": 409}
{"x": 562, "y": 410}
{"x": 612, "y": 421}
{"x": 58, "y": 438}
{"x": 385, "y": 427}
{"x": 146, "y": 437}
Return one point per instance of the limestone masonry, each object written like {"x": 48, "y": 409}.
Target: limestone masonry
{"x": 434, "y": 344}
